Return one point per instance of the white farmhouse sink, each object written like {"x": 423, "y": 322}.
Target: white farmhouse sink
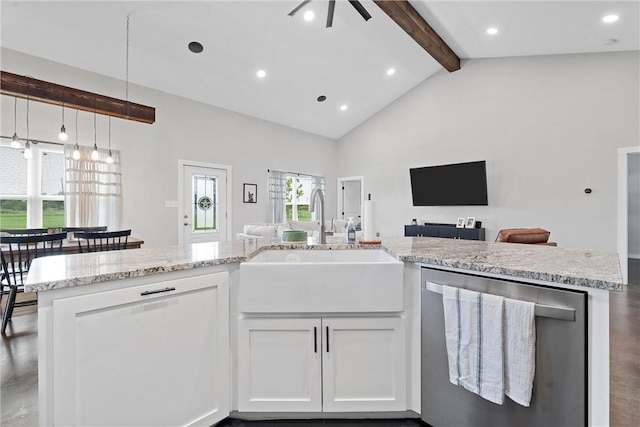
{"x": 321, "y": 281}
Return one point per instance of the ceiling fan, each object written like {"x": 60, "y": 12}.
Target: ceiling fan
{"x": 332, "y": 5}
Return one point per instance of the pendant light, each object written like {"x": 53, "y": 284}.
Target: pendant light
{"x": 15, "y": 142}
{"x": 76, "y": 148}
{"x": 109, "y": 159}
{"x": 27, "y": 144}
{"x": 94, "y": 154}
{"x": 62, "y": 136}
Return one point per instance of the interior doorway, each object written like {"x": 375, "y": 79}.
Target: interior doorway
{"x": 350, "y": 198}
{"x": 627, "y": 234}
{"x": 204, "y": 202}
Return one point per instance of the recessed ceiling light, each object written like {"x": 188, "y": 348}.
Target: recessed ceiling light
{"x": 309, "y": 15}
{"x": 343, "y": 107}
{"x": 321, "y": 98}
{"x": 492, "y": 31}
{"x": 196, "y": 47}
{"x": 610, "y": 18}
{"x": 261, "y": 73}
{"x": 391, "y": 71}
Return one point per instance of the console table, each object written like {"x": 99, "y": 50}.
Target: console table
{"x": 447, "y": 231}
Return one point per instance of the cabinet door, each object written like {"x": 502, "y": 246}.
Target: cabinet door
{"x": 411, "y": 230}
{"x": 279, "y": 365}
{"x": 430, "y": 231}
{"x": 149, "y": 355}
{"x": 448, "y": 232}
{"x": 469, "y": 233}
{"x": 364, "y": 365}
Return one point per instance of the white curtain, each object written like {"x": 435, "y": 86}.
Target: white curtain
{"x": 93, "y": 189}
{"x": 277, "y": 186}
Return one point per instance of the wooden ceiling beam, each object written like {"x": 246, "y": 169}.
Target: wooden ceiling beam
{"x": 51, "y": 93}
{"x": 407, "y": 18}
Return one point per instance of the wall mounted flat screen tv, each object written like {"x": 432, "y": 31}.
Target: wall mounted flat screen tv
{"x": 459, "y": 184}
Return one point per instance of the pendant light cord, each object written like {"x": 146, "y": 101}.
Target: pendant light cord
{"x": 109, "y": 135}
{"x": 76, "y": 129}
{"x": 27, "y": 118}
{"x": 95, "y": 135}
{"x": 126, "y": 87}
{"x": 15, "y": 115}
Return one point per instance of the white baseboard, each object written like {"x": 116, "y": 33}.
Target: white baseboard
{"x": 634, "y": 256}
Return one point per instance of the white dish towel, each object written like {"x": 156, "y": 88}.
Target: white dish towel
{"x": 519, "y": 350}
{"x": 473, "y": 329}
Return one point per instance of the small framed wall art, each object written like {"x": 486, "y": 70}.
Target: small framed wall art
{"x": 471, "y": 222}
{"x": 250, "y": 193}
{"x": 460, "y": 223}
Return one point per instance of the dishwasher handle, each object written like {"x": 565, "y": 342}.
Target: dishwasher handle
{"x": 540, "y": 310}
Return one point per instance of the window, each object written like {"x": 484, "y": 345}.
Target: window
{"x": 297, "y": 191}
{"x": 32, "y": 191}
{"x": 289, "y": 196}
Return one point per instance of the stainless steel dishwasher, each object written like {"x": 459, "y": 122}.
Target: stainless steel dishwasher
{"x": 560, "y": 383}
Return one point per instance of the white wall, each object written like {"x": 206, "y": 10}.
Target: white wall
{"x": 548, "y": 127}
{"x": 183, "y": 129}
{"x": 633, "y": 218}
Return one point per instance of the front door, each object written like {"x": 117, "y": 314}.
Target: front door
{"x": 204, "y": 204}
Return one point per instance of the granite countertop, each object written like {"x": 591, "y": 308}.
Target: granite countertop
{"x": 550, "y": 264}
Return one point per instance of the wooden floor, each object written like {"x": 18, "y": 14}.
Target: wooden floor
{"x": 19, "y": 369}
{"x": 624, "y": 351}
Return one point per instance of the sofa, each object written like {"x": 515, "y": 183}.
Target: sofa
{"x": 273, "y": 230}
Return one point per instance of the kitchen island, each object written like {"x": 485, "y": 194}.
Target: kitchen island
{"x": 75, "y": 291}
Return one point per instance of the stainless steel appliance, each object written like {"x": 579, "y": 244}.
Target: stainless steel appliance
{"x": 560, "y": 383}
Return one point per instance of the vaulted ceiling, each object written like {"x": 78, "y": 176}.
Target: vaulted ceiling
{"x": 302, "y": 60}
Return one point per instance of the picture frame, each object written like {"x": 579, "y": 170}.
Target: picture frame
{"x": 460, "y": 223}
{"x": 250, "y": 193}
{"x": 471, "y": 222}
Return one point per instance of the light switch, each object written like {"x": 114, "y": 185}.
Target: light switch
{"x": 170, "y": 203}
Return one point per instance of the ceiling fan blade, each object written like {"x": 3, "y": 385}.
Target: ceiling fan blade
{"x": 300, "y": 6}
{"x": 361, "y": 10}
{"x": 332, "y": 6}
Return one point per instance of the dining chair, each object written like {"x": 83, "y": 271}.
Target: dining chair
{"x": 89, "y": 229}
{"x": 16, "y": 255}
{"x": 98, "y": 241}
{"x": 23, "y": 231}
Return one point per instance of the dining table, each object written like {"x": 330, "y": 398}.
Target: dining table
{"x": 70, "y": 246}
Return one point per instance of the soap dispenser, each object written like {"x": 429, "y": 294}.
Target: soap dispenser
{"x": 351, "y": 231}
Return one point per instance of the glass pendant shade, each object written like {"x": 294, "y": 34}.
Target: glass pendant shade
{"x": 76, "y": 152}
{"x": 27, "y": 150}
{"x": 94, "y": 154}
{"x": 63, "y": 136}
{"x": 109, "y": 159}
{"x": 15, "y": 142}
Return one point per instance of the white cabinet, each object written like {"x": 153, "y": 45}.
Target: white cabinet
{"x": 149, "y": 355}
{"x": 321, "y": 364}
{"x": 279, "y": 365}
{"x": 363, "y": 364}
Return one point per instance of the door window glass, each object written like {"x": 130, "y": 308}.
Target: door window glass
{"x": 205, "y": 204}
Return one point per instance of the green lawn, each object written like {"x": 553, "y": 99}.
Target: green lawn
{"x": 303, "y": 213}
{"x": 51, "y": 218}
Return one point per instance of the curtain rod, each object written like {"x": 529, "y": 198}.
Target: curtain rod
{"x": 295, "y": 173}
{"x": 33, "y": 141}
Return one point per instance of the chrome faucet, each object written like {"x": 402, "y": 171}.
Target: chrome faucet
{"x": 312, "y": 208}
